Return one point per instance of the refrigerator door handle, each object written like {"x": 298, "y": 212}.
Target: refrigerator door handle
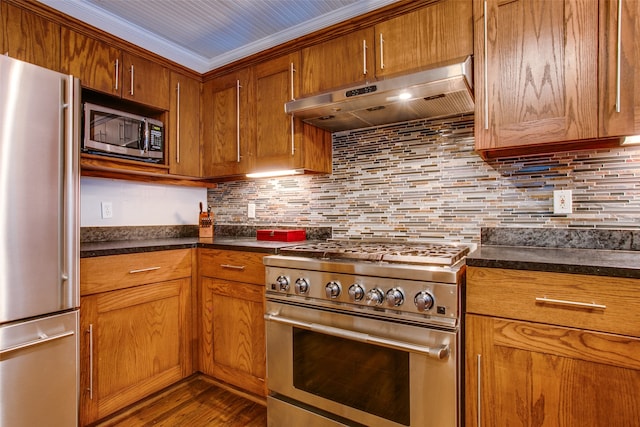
{"x": 43, "y": 339}
{"x": 70, "y": 189}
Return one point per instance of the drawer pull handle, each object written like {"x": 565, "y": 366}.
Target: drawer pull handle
{"x": 546, "y": 300}
{"x": 233, "y": 267}
{"x": 142, "y": 270}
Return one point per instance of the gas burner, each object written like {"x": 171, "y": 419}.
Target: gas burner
{"x": 392, "y": 252}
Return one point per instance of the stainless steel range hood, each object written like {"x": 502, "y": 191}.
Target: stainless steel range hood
{"x": 438, "y": 92}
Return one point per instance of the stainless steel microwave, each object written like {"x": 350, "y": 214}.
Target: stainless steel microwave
{"x": 121, "y": 134}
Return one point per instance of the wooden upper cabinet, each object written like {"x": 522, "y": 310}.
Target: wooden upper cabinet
{"x": 536, "y": 81}
{"x": 619, "y": 70}
{"x": 184, "y": 126}
{"x": 94, "y": 62}
{"x": 281, "y": 141}
{"x": 29, "y": 37}
{"x": 145, "y": 81}
{"x": 227, "y": 130}
{"x": 434, "y": 34}
{"x": 342, "y": 61}
{"x": 103, "y": 68}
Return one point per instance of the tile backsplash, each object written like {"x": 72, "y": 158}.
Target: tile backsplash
{"x": 422, "y": 180}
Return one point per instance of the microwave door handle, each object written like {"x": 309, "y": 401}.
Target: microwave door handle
{"x": 144, "y": 137}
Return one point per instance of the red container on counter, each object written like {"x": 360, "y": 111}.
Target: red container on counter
{"x": 282, "y": 235}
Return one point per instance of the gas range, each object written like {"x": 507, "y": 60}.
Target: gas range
{"x": 408, "y": 281}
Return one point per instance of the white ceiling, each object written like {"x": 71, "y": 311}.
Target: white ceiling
{"x": 207, "y": 34}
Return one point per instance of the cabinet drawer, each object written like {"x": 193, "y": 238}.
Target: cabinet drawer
{"x": 239, "y": 266}
{"x": 598, "y": 303}
{"x": 112, "y": 272}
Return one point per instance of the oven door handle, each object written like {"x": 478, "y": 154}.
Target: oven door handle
{"x": 432, "y": 352}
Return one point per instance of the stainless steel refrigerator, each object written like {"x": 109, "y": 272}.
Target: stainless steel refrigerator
{"x": 39, "y": 249}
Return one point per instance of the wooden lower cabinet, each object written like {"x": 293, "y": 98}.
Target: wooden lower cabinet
{"x": 533, "y": 374}
{"x": 232, "y": 330}
{"x": 134, "y": 341}
{"x": 554, "y": 349}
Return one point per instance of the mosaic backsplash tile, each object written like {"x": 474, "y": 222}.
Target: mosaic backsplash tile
{"x": 422, "y": 180}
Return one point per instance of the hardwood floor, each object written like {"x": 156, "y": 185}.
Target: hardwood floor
{"x": 194, "y": 402}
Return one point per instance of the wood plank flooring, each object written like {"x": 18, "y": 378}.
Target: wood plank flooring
{"x": 194, "y": 402}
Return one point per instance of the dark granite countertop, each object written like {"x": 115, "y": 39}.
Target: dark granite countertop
{"x": 118, "y": 247}
{"x": 598, "y": 262}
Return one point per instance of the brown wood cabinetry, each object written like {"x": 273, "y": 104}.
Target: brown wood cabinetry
{"x": 95, "y": 63}
{"x": 232, "y": 331}
{"x": 106, "y": 69}
{"x": 434, "y": 34}
{"x": 29, "y": 37}
{"x": 136, "y": 333}
{"x": 145, "y": 81}
{"x": 283, "y": 142}
{"x": 554, "y": 349}
{"x": 536, "y": 68}
{"x": 437, "y": 33}
{"x": 619, "y": 71}
{"x": 342, "y": 61}
{"x": 184, "y": 126}
{"x": 227, "y": 127}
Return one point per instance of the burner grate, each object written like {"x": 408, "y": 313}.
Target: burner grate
{"x": 409, "y": 253}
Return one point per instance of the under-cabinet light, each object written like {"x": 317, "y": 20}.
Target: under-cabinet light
{"x": 631, "y": 140}
{"x": 271, "y": 174}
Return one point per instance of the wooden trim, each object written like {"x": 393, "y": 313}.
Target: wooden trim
{"x": 90, "y": 31}
{"x": 350, "y": 25}
{"x": 550, "y": 148}
{"x": 103, "y": 167}
{"x": 357, "y": 23}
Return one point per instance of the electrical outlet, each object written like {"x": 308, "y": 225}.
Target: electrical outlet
{"x": 562, "y": 203}
{"x": 107, "y": 210}
{"x": 251, "y": 210}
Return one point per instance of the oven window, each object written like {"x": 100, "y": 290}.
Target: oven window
{"x": 363, "y": 376}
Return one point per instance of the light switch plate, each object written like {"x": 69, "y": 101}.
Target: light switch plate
{"x": 562, "y": 203}
{"x": 251, "y": 210}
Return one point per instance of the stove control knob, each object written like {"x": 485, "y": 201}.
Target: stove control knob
{"x": 423, "y": 300}
{"x": 395, "y": 297}
{"x": 283, "y": 283}
{"x": 332, "y": 290}
{"x": 302, "y": 286}
{"x": 356, "y": 292}
{"x": 374, "y": 297}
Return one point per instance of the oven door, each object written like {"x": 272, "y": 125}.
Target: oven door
{"x": 329, "y": 368}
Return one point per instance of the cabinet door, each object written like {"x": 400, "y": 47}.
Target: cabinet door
{"x": 136, "y": 341}
{"x": 339, "y": 62}
{"x": 619, "y": 70}
{"x": 540, "y": 375}
{"x": 437, "y": 33}
{"x": 283, "y": 142}
{"x": 233, "y": 333}
{"x": 97, "y": 64}
{"x": 184, "y": 126}
{"x": 276, "y": 83}
{"x": 145, "y": 81}
{"x": 535, "y": 83}
{"x": 30, "y": 38}
{"x": 227, "y": 134}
